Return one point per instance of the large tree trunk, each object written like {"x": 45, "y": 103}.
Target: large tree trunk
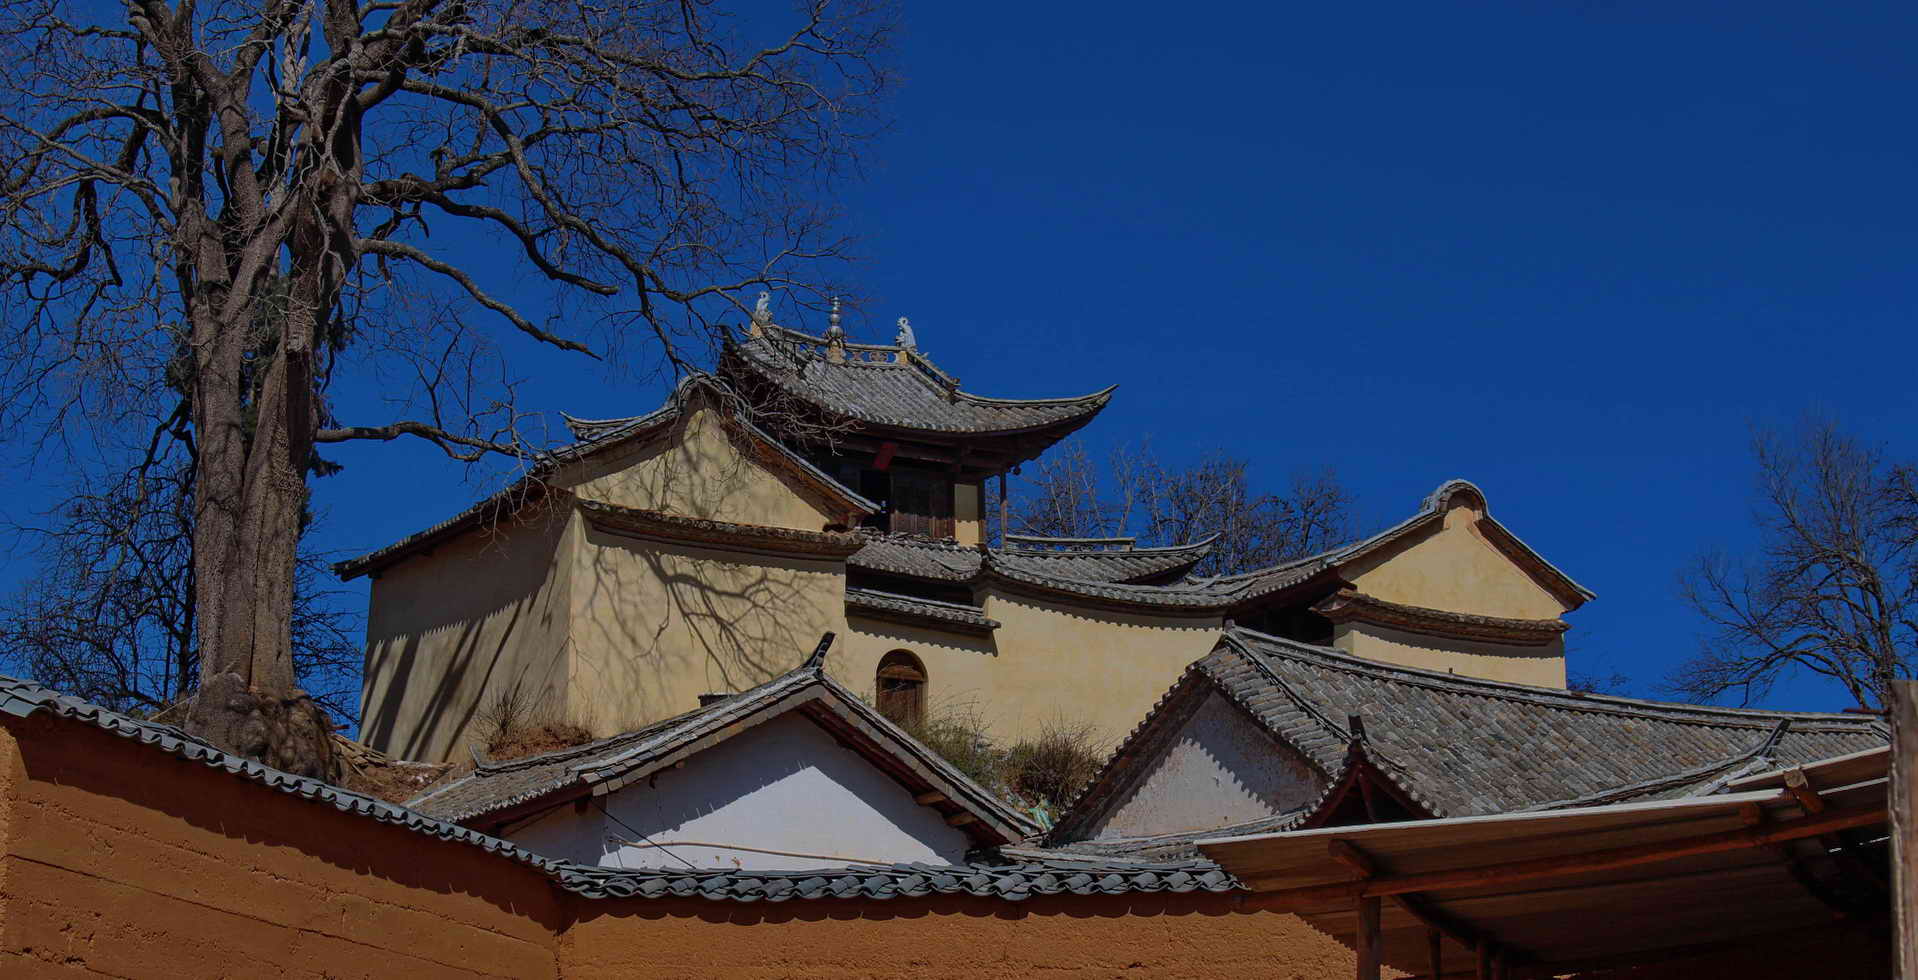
{"x": 249, "y": 495}
{"x": 253, "y": 491}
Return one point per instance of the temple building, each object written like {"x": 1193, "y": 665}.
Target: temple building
{"x": 816, "y": 485}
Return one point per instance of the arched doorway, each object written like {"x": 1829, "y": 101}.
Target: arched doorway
{"x": 901, "y": 688}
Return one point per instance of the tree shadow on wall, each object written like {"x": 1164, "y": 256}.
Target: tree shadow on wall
{"x": 659, "y": 624}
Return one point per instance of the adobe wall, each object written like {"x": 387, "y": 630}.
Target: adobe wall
{"x": 1457, "y": 570}
{"x": 657, "y": 624}
{"x": 1077, "y": 666}
{"x": 1193, "y": 936}
{"x": 121, "y": 860}
{"x": 699, "y": 471}
{"x": 449, "y": 630}
{"x": 1540, "y": 666}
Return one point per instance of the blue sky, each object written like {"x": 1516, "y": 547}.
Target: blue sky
{"x": 1571, "y": 252}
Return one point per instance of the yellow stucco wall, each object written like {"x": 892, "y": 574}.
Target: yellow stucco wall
{"x": 700, "y": 470}
{"x": 1046, "y": 663}
{"x": 657, "y": 624}
{"x": 1454, "y": 568}
{"x": 449, "y": 630}
{"x": 1543, "y": 666}
{"x": 968, "y": 523}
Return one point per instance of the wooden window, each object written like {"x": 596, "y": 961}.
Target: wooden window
{"x": 922, "y": 503}
{"x": 901, "y": 686}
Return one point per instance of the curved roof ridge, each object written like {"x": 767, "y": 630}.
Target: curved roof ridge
{"x": 1205, "y": 542}
{"x": 1101, "y": 395}
{"x": 1573, "y": 700}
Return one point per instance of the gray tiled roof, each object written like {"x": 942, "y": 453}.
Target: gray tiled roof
{"x": 1465, "y": 746}
{"x": 1016, "y": 881}
{"x": 900, "y": 554}
{"x": 889, "y": 605}
{"x": 606, "y": 764}
{"x": 1181, "y": 846}
{"x": 897, "y": 387}
{"x": 1117, "y": 565}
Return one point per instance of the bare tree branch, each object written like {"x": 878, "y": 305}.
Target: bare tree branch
{"x": 1830, "y": 589}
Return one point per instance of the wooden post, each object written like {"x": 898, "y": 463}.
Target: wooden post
{"x": 1484, "y": 960}
{"x": 1904, "y": 822}
{"x": 1433, "y": 956}
{"x": 1369, "y": 938}
{"x": 1002, "y": 510}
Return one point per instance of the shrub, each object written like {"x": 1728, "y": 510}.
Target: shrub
{"x": 1054, "y": 767}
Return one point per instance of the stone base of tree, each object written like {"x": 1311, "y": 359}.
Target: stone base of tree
{"x": 292, "y": 734}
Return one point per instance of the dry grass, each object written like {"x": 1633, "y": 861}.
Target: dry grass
{"x": 375, "y": 774}
{"x": 515, "y": 725}
{"x": 1056, "y": 766}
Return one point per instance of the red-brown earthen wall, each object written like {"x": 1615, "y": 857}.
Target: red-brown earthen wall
{"x": 124, "y": 861}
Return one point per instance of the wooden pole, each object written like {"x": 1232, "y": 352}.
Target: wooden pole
{"x": 1484, "y": 961}
{"x": 1002, "y": 510}
{"x": 1904, "y": 822}
{"x": 1432, "y": 953}
{"x": 1368, "y": 939}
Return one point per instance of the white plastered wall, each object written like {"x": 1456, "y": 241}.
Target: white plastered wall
{"x": 784, "y": 785}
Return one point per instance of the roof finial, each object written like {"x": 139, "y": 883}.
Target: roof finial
{"x": 762, "y": 312}
{"x": 905, "y": 338}
{"x": 817, "y": 662}
{"x": 833, "y": 329}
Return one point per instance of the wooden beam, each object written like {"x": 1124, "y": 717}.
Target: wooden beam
{"x": 1368, "y": 939}
{"x": 1484, "y": 951}
{"x": 928, "y": 799}
{"x": 1348, "y": 854}
{"x": 961, "y": 819}
{"x": 1445, "y": 925}
{"x": 1904, "y": 822}
{"x": 1801, "y": 790}
{"x": 1563, "y": 865}
{"x": 1433, "y": 956}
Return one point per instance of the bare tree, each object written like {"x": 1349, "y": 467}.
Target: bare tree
{"x": 1830, "y": 590}
{"x": 210, "y": 211}
{"x": 1141, "y": 496}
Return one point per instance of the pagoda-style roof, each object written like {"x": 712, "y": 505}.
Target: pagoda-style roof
{"x": 898, "y": 389}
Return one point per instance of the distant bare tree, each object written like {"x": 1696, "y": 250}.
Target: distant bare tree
{"x": 211, "y": 211}
{"x": 1062, "y": 499}
{"x": 107, "y": 613}
{"x": 1159, "y": 504}
{"x": 1830, "y": 590}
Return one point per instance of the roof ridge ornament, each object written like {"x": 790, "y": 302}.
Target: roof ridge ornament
{"x": 762, "y": 313}
{"x": 817, "y": 662}
{"x": 835, "y": 335}
{"x": 904, "y": 338}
